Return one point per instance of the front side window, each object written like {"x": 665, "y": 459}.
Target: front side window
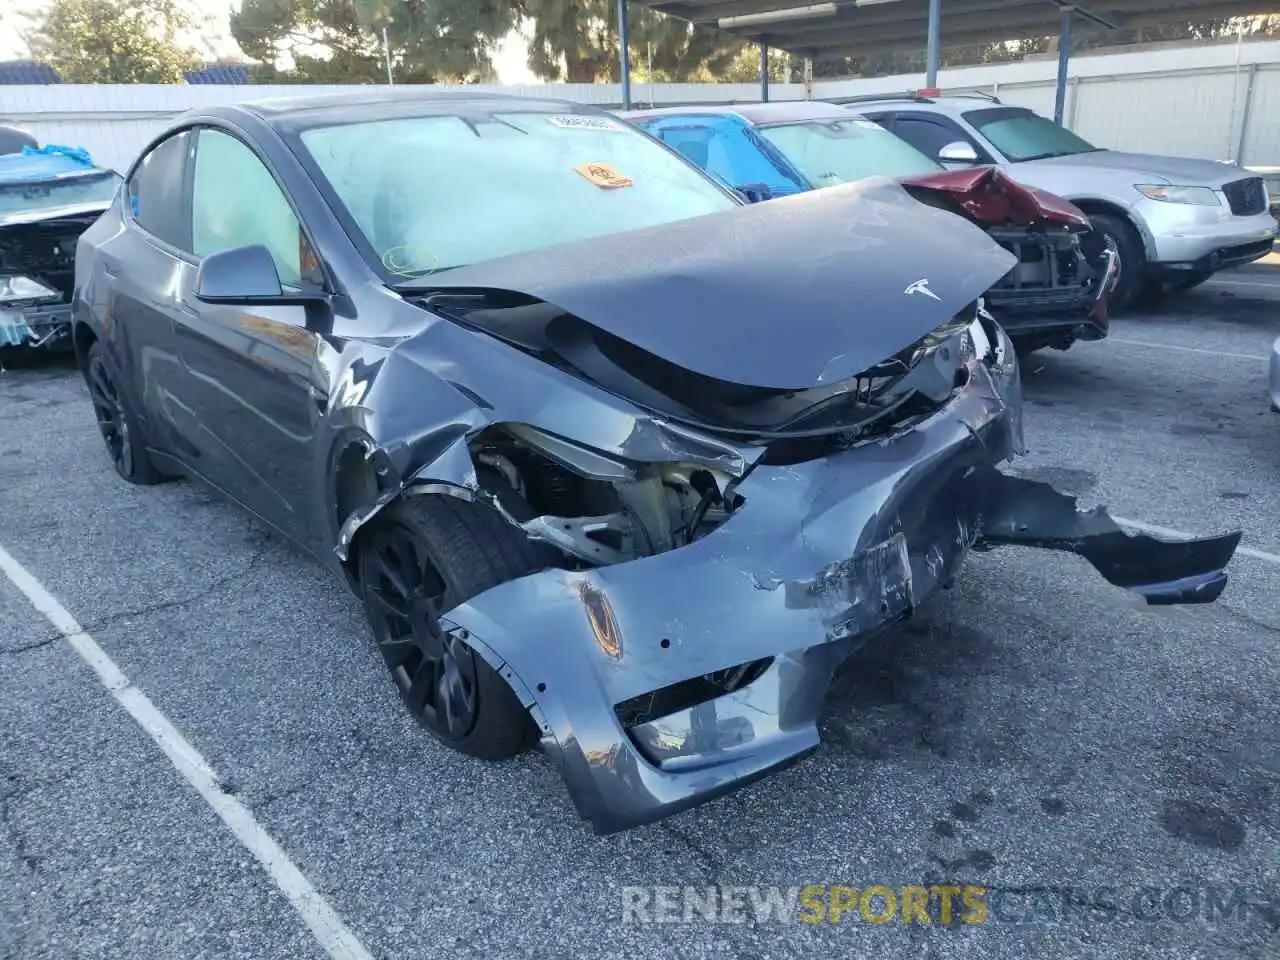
{"x": 829, "y": 152}
{"x": 155, "y": 191}
{"x": 1022, "y": 135}
{"x": 433, "y": 192}
{"x": 236, "y": 202}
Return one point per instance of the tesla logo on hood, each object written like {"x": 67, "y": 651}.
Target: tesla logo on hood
{"x": 921, "y": 286}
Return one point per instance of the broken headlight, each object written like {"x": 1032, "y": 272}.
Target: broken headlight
{"x": 19, "y": 289}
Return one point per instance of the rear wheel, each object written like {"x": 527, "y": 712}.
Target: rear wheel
{"x": 116, "y": 420}
{"x": 422, "y": 556}
{"x": 1132, "y": 265}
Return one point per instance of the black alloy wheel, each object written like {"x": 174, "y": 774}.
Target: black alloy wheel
{"x": 404, "y": 596}
{"x": 110, "y": 414}
{"x": 116, "y": 422}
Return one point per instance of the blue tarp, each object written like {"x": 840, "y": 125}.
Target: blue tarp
{"x": 49, "y": 162}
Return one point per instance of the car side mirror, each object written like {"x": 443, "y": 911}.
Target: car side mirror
{"x": 958, "y": 151}
{"x": 755, "y": 192}
{"x": 247, "y": 277}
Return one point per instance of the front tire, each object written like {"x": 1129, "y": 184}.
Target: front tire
{"x": 1133, "y": 259}
{"x": 117, "y": 421}
{"x": 424, "y": 555}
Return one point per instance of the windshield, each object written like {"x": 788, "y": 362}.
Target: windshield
{"x": 436, "y": 192}
{"x": 95, "y": 188}
{"x": 1022, "y": 135}
{"x": 829, "y": 152}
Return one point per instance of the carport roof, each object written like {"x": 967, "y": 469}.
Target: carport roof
{"x": 849, "y": 27}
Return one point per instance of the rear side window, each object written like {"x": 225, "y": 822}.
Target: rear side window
{"x": 155, "y": 191}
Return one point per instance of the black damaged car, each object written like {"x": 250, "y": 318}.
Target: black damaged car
{"x": 616, "y": 468}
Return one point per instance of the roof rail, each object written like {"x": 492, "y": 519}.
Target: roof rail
{"x": 911, "y": 95}
{"x": 914, "y": 96}
{"x": 980, "y": 94}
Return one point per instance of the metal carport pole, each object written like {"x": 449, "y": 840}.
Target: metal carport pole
{"x": 764, "y": 72}
{"x": 1064, "y": 56}
{"x": 933, "y": 53}
{"x": 624, "y": 53}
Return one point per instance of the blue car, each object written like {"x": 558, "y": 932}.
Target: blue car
{"x": 48, "y": 197}
{"x": 1055, "y": 295}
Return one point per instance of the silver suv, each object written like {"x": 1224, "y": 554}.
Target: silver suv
{"x": 1174, "y": 221}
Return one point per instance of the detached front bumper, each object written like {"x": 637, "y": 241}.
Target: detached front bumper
{"x": 37, "y": 326}
{"x": 624, "y": 667}
{"x": 1059, "y": 303}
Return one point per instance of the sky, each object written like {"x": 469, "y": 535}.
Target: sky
{"x": 510, "y": 61}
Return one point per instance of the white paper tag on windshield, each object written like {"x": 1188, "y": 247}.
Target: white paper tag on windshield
{"x": 580, "y": 122}
{"x": 866, "y": 124}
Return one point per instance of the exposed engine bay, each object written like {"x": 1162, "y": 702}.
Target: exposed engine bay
{"x": 598, "y": 510}
{"x": 44, "y": 251}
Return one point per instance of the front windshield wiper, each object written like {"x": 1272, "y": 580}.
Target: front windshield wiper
{"x": 1057, "y": 153}
{"x": 413, "y": 283}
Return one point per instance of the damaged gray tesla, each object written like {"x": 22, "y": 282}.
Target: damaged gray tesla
{"x": 618, "y": 464}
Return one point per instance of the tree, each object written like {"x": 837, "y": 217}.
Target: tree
{"x": 113, "y": 41}
{"x": 340, "y": 41}
{"x": 745, "y": 67}
{"x": 577, "y": 41}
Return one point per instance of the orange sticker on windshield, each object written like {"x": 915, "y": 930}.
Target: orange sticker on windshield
{"x": 604, "y": 175}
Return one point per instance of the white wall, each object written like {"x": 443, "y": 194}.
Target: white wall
{"x": 1186, "y": 101}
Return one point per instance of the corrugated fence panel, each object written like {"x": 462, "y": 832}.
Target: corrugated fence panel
{"x": 112, "y": 142}
{"x": 1186, "y": 101}
{"x": 1262, "y": 142}
{"x": 1188, "y": 115}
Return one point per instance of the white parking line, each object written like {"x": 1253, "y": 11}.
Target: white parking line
{"x": 330, "y": 932}
{"x": 1169, "y": 346}
{"x": 1225, "y": 282}
{"x": 1182, "y": 535}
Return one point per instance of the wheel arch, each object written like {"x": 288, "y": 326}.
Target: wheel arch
{"x": 363, "y": 478}
{"x": 83, "y": 337}
{"x": 1096, "y": 206}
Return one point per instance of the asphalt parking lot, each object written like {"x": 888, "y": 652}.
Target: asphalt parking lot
{"x": 1033, "y": 729}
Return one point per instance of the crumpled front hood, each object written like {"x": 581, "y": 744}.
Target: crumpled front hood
{"x": 791, "y": 294}
{"x": 991, "y": 196}
{"x": 1149, "y": 168}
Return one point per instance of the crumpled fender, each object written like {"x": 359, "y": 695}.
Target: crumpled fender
{"x": 414, "y": 410}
